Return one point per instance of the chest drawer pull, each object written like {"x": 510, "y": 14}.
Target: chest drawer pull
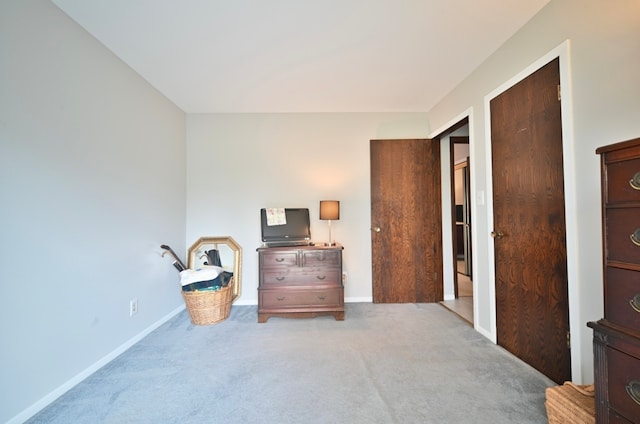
{"x": 321, "y": 277}
{"x": 280, "y": 298}
{"x": 322, "y": 297}
{"x": 279, "y": 259}
{"x": 635, "y": 302}
{"x": 280, "y": 278}
{"x": 635, "y": 181}
{"x": 635, "y": 237}
{"x": 633, "y": 390}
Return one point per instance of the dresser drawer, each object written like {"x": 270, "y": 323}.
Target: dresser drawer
{"x": 293, "y": 298}
{"x": 623, "y": 235}
{"x": 329, "y": 258}
{"x": 622, "y": 177}
{"x": 624, "y": 384}
{"x": 622, "y": 298}
{"x": 301, "y": 277}
{"x": 278, "y": 259}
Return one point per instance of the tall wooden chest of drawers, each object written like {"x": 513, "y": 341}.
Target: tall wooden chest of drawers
{"x": 302, "y": 281}
{"x": 616, "y": 339}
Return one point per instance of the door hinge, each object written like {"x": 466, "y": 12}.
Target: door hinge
{"x": 559, "y": 93}
{"x": 568, "y": 340}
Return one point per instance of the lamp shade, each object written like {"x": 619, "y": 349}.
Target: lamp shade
{"x": 329, "y": 209}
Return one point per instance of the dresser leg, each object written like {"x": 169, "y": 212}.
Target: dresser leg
{"x": 601, "y": 377}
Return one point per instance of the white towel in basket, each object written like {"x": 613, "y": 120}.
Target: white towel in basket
{"x": 206, "y": 273}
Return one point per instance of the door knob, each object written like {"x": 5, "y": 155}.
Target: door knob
{"x": 376, "y": 229}
{"x": 497, "y": 235}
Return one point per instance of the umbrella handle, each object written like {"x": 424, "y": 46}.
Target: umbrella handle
{"x": 170, "y": 250}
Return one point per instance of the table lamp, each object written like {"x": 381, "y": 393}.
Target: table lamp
{"x": 329, "y": 210}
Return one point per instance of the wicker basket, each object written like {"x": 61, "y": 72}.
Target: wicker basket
{"x": 209, "y": 307}
{"x": 571, "y": 404}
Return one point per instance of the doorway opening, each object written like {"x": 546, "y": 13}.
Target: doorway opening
{"x": 460, "y": 301}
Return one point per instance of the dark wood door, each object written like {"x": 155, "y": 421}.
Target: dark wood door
{"x": 529, "y": 223}
{"x": 468, "y": 253}
{"x": 406, "y": 220}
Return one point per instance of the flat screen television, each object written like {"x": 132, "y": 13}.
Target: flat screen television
{"x": 296, "y": 230}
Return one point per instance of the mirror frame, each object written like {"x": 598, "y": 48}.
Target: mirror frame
{"x": 199, "y": 246}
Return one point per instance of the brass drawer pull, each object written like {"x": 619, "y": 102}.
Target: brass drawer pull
{"x": 635, "y": 303}
{"x": 280, "y": 278}
{"x": 321, "y": 277}
{"x": 635, "y": 181}
{"x": 279, "y": 259}
{"x": 635, "y": 237}
{"x": 633, "y": 390}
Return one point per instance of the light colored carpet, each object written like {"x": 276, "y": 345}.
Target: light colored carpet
{"x": 386, "y": 363}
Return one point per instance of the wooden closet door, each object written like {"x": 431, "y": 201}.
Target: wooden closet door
{"x": 406, "y": 220}
{"x": 532, "y": 306}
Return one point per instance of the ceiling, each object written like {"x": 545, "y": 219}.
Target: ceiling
{"x": 236, "y": 56}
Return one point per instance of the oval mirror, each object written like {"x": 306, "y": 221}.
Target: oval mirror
{"x": 230, "y": 256}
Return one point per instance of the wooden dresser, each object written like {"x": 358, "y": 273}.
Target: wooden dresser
{"x": 616, "y": 339}
{"x": 300, "y": 282}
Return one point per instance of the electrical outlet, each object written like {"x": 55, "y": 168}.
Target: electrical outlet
{"x": 344, "y": 277}
{"x": 133, "y": 307}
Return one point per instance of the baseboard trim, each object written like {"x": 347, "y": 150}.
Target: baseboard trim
{"x": 358, "y": 300}
{"x": 55, "y": 394}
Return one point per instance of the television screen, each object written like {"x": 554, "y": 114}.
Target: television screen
{"x": 296, "y": 229}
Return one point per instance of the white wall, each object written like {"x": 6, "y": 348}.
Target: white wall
{"x": 603, "y": 74}
{"x": 92, "y": 181}
{"x": 239, "y": 163}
